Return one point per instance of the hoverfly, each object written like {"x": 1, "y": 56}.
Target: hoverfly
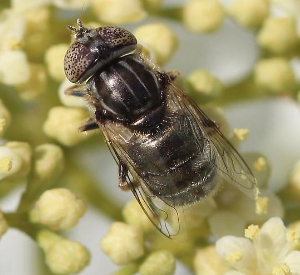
{"x": 169, "y": 153}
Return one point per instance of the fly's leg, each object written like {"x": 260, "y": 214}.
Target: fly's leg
{"x": 89, "y": 125}
{"x": 76, "y": 91}
{"x": 173, "y": 74}
{"x": 123, "y": 174}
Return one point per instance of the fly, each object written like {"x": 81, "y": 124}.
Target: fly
{"x": 169, "y": 153}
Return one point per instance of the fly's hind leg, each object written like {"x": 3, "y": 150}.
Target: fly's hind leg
{"x": 173, "y": 74}
{"x": 89, "y": 125}
{"x": 123, "y": 174}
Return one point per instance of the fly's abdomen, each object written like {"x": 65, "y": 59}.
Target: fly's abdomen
{"x": 129, "y": 91}
{"x": 175, "y": 165}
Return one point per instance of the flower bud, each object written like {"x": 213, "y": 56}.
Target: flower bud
{"x": 49, "y": 161}
{"x": 278, "y": 35}
{"x": 159, "y": 263}
{"x": 159, "y": 38}
{"x": 275, "y": 75}
{"x": 249, "y": 13}
{"x": 36, "y": 84}
{"x": 205, "y": 85}
{"x": 67, "y": 100}
{"x": 59, "y": 209}
{"x": 63, "y": 256}
{"x": 123, "y": 243}
{"x": 15, "y": 160}
{"x": 118, "y": 12}
{"x": 14, "y": 67}
{"x": 203, "y": 15}
{"x": 53, "y": 57}
{"x": 134, "y": 215}
{"x": 62, "y": 124}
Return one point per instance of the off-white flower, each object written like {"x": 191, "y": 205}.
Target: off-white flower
{"x": 235, "y": 210}
{"x": 208, "y": 262}
{"x": 53, "y": 57}
{"x": 267, "y": 253}
{"x": 49, "y": 161}
{"x": 68, "y": 100}
{"x": 278, "y": 35}
{"x": 14, "y": 67}
{"x": 12, "y": 29}
{"x": 63, "y": 256}
{"x": 275, "y": 75}
{"x": 123, "y": 243}
{"x": 24, "y": 6}
{"x": 288, "y": 8}
{"x": 14, "y": 160}
{"x": 249, "y": 13}
{"x": 205, "y": 85}
{"x": 159, "y": 263}
{"x": 203, "y": 15}
{"x": 23, "y": 150}
{"x": 118, "y": 11}
{"x": 62, "y": 124}
{"x": 161, "y": 40}
{"x": 36, "y": 84}
{"x": 134, "y": 214}
{"x": 39, "y": 32}
{"x": 59, "y": 209}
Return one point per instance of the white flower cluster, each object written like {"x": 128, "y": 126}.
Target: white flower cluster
{"x": 265, "y": 251}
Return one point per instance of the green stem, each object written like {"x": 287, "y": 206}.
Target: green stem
{"x": 20, "y": 221}
{"x": 127, "y": 270}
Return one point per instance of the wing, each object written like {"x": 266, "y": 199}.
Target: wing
{"x": 229, "y": 163}
{"x": 166, "y": 218}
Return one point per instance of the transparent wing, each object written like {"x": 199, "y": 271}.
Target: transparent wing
{"x": 165, "y": 217}
{"x": 230, "y": 165}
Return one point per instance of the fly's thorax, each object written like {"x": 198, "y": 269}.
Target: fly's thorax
{"x": 95, "y": 47}
{"x": 128, "y": 90}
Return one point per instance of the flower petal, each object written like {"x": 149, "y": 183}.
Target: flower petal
{"x": 271, "y": 245}
{"x": 238, "y": 252}
{"x": 292, "y": 260}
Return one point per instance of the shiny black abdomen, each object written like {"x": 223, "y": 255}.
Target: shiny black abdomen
{"x": 129, "y": 91}
{"x": 174, "y": 159}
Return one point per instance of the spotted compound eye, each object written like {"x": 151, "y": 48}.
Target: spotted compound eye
{"x": 95, "y": 47}
{"x": 78, "y": 60}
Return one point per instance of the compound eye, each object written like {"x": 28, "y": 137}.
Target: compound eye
{"x": 118, "y": 40}
{"x": 78, "y": 60}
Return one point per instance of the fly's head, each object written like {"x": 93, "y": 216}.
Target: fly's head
{"x": 95, "y": 47}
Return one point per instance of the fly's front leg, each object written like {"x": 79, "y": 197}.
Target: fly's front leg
{"x": 123, "y": 174}
{"x": 75, "y": 90}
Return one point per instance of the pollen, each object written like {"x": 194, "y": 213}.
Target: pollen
{"x": 293, "y": 236}
{"x": 262, "y": 204}
{"x": 260, "y": 164}
{"x": 241, "y": 134}
{"x": 234, "y": 257}
{"x": 252, "y": 232}
{"x": 5, "y": 164}
{"x": 281, "y": 269}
